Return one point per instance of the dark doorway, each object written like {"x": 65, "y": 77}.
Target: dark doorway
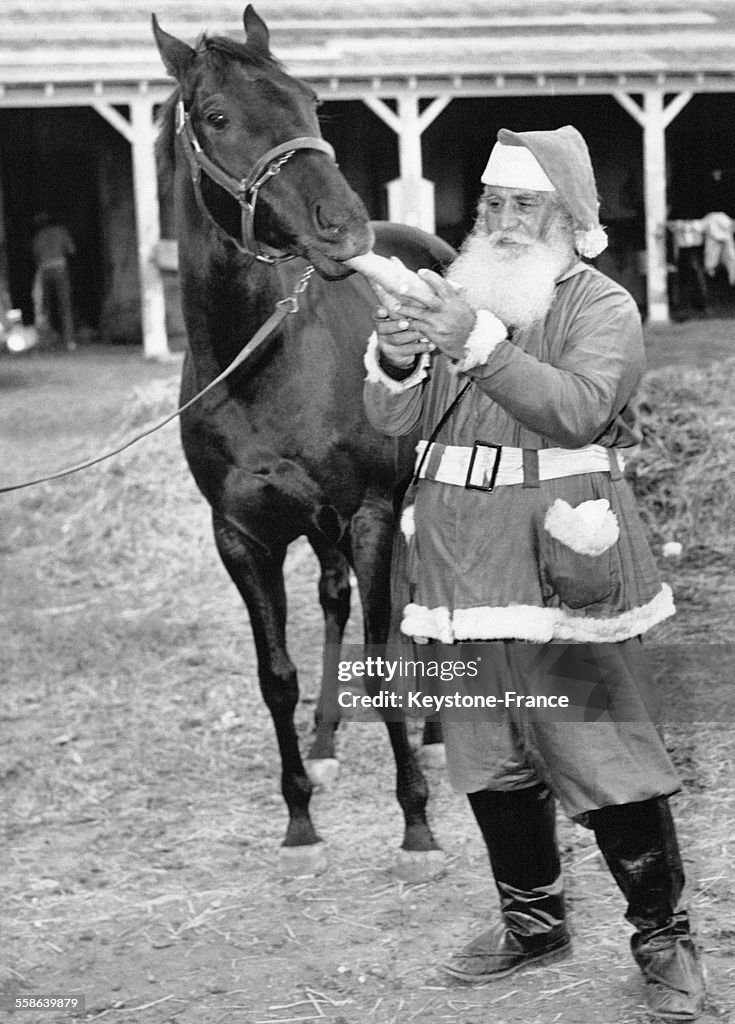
{"x": 49, "y": 161}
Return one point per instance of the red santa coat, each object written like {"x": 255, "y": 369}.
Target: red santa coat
{"x": 484, "y": 565}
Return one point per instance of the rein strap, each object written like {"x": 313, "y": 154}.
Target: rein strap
{"x": 285, "y": 307}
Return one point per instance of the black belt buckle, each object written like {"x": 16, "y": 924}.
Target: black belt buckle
{"x": 488, "y": 478}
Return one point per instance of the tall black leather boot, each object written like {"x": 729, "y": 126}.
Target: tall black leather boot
{"x": 638, "y": 842}
{"x": 519, "y": 829}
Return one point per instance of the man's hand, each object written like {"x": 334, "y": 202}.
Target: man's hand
{"x": 400, "y": 345}
{"x": 446, "y": 321}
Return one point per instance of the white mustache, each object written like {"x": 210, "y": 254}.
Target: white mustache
{"x": 496, "y": 237}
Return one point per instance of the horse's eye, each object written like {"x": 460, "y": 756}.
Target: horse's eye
{"x": 217, "y": 119}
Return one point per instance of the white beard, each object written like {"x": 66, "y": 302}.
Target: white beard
{"x": 516, "y": 284}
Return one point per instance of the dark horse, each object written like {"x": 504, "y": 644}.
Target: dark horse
{"x": 282, "y": 448}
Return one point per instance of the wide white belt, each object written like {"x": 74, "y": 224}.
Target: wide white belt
{"x": 486, "y": 466}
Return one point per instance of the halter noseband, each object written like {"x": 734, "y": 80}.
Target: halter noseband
{"x": 244, "y": 190}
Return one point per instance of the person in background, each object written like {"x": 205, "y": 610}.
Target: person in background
{"x": 522, "y": 534}
{"x": 53, "y": 246}
{"x": 719, "y": 245}
{"x": 688, "y": 240}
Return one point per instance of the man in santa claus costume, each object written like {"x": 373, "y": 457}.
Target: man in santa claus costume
{"x": 521, "y": 534}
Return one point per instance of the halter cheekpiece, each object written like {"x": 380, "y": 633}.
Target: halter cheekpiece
{"x": 244, "y": 190}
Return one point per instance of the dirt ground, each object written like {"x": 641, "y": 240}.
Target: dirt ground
{"x": 141, "y": 802}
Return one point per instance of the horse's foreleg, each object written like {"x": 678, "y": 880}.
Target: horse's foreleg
{"x": 432, "y": 753}
{"x": 257, "y": 572}
{"x": 420, "y": 858}
{"x": 334, "y": 597}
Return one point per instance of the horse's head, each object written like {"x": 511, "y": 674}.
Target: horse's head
{"x": 250, "y": 130}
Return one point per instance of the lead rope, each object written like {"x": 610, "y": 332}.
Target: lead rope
{"x": 285, "y": 307}
{"x": 416, "y": 476}
{"x": 404, "y": 492}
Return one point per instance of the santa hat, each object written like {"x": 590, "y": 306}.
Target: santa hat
{"x": 556, "y": 161}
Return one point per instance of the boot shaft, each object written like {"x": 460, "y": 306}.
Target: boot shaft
{"x": 638, "y": 842}
{"x": 519, "y": 829}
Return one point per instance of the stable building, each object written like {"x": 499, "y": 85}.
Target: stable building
{"x": 414, "y": 93}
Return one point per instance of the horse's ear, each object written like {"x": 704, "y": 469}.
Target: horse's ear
{"x": 256, "y": 30}
{"x": 176, "y": 56}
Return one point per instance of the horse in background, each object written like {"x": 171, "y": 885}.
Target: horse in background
{"x": 282, "y": 448}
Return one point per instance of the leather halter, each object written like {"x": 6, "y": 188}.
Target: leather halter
{"x": 244, "y": 190}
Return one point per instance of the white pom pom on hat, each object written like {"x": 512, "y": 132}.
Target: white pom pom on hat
{"x": 560, "y": 162}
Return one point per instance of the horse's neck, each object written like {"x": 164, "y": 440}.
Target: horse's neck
{"x": 227, "y": 299}
{"x": 254, "y": 289}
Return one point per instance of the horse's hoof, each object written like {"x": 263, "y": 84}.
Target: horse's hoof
{"x": 433, "y": 755}
{"x": 323, "y": 771}
{"x": 420, "y": 865}
{"x": 295, "y": 861}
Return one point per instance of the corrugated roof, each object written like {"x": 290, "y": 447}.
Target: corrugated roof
{"x": 86, "y": 41}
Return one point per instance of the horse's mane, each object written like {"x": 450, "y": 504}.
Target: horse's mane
{"x": 218, "y": 45}
{"x": 165, "y": 140}
{"x": 239, "y": 51}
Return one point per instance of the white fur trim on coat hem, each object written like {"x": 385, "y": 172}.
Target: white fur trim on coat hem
{"x": 433, "y": 623}
{"x": 486, "y": 335}
{"x": 536, "y": 624}
{"x": 408, "y": 521}
{"x": 376, "y": 374}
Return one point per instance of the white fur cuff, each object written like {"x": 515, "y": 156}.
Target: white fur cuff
{"x": 486, "y": 335}
{"x": 376, "y": 374}
{"x": 588, "y": 529}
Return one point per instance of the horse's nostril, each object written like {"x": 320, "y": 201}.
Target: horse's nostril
{"x": 329, "y": 223}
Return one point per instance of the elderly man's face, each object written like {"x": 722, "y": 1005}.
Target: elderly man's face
{"x": 518, "y": 217}
{"x": 509, "y": 263}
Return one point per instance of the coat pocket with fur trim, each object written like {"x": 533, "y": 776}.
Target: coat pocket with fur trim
{"x": 575, "y": 547}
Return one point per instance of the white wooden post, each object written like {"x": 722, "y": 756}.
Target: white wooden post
{"x": 148, "y": 224}
{"x": 654, "y": 118}
{"x": 140, "y": 133}
{"x": 410, "y": 196}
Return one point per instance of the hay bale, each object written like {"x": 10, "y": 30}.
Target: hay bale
{"x": 138, "y": 512}
{"x": 683, "y": 473}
